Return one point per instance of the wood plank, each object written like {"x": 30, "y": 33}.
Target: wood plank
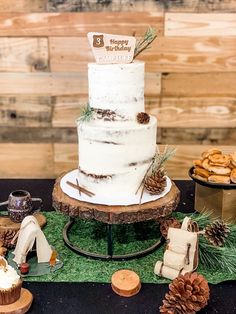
{"x": 107, "y": 6}
{"x": 21, "y": 111}
{"x": 23, "y": 54}
{"x": 78, "y": 24}
{"x": 192, "y": 54}
{"x": 23, "y": 6}
{"x": 26, "y": 161}
{"x": 174, "y": 54}
{"x": 199, "y": 84}
{"x": 194, "y": 112}
{"x": 43, "y": 83}
{"x": 194, "y": 136}
{"x": 38, "y": 135}
{"x": 66, "y": 158}
{"x": 209, "y": 24}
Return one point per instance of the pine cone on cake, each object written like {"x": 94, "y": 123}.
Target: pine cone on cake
{"x": 166, "y": 223}
{"x": 143, "y": 118}
{"x": 188, "y": 294}
{"x": 156, "y": 182}
{"x": 217, "y": 232}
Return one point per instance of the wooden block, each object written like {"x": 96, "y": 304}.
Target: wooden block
{"x": 26, "y": 161}
{"x": 21, "y": 111}
{"x": 23, "y": 6}
{"x": 125, "y": 282}
{"x": 199, "y": 84}
{"x": 212, "y": 24}
{"x": 195, "y": 112}
{"x": 23, "y": 54}
{"x": 221, "y": 203}
{"x": 78, "y": 24}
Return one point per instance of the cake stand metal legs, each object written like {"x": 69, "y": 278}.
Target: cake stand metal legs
{"x": 109, "y": 255}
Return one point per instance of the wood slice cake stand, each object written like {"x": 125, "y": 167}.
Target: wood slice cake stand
{"x": 111, "y": 215}
{"x": 21, "y": 306}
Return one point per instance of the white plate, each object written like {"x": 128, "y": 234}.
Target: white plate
{"x": 110, "y": 199}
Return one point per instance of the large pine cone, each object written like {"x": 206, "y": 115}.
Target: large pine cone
{"x": 156, "y": 182}
{"x": 188, "y": 294}
{"x": 217, "y": 232}
{"x": 166, "y": 223}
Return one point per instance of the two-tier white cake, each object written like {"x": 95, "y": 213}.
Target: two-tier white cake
{"x": 115, "y": 150}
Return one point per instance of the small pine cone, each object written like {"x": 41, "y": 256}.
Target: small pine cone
{"x": 166, "y": 223}
{"x": 156, "y": 182}
{"x": 217, "y": 232}
{"x": 6, "y": 238}
{"x": 143, "y": 118}
{"x": 188, "y": 294}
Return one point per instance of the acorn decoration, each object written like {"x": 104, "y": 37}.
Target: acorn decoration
{"x": 166, "y": 223}
{"x": 143, "y": 118}
{"x": 217, "y": 232}
{"x": 188, "y": 294}
{"x": 156, "y": 182}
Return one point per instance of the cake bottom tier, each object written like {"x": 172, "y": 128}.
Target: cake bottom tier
{"x": 115, "y": 159}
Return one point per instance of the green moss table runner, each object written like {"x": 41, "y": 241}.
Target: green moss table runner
{"x": 91, "y": 235}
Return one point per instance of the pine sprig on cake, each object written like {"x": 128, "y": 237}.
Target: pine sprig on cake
{"x": 145, "y": 42}
{"x": 87, "y": 114}
{"x": 154, "y": 180}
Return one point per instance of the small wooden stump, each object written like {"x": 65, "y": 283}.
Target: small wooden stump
{"x": 125, "y": 282}
{"x": 21, "y": 306}
{"x": 115, "y": 214}
{"x": 8, "y": 228}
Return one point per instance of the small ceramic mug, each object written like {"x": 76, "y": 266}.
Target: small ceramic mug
{"x": 20, "y": 205}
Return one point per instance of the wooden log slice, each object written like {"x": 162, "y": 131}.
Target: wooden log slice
{"x": 115, "y": 214}
{"x": 8, "y": 228}
{"x": 21, "y": 306}
{"x": 125, "y": 282}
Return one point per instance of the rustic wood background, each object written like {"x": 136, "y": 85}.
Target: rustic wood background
{"x": 190, "y": 77}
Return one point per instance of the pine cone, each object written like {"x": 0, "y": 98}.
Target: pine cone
{"x": 156, "y": 182}
{"x": 217, "y": 232}
{"x": 143, "y": 118}
{"x": 188, "y": 294}
{"x": 6, "y": 238}
{"x": 166, "y": 223}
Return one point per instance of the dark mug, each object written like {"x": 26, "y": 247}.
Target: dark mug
{"x": 20, "y": 205}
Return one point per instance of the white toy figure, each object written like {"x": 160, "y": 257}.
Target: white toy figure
{"x": 181, "y": 255}
{"x": 30, "y": 232}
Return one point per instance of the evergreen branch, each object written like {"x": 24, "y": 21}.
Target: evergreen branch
{"x": 217, "y": 258}
{"x": 161, "y": 158}
{"x": 87, "y": 114}
{"x": 145, "y": 42}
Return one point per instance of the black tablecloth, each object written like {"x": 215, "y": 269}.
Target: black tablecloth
{"x": 91, "y": 298}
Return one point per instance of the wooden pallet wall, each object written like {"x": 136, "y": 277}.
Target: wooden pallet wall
{"x": 190, "y": 77}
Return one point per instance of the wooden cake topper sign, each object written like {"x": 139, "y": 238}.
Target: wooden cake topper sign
{"x": 109, "y": 48}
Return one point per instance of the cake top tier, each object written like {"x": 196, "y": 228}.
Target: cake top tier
{"x": 117, "y": 87}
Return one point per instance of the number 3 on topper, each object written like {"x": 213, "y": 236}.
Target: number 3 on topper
{"x": 98, "y": 41}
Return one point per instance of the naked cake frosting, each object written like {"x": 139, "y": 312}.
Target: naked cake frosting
{"x": 115, "y": 148}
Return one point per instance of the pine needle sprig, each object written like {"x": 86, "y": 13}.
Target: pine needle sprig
{"x": 145, "y": 42}
{"x": 217, "y": 258}
{"x": 161, "y": 158}
{"x": 87, "y": 114}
